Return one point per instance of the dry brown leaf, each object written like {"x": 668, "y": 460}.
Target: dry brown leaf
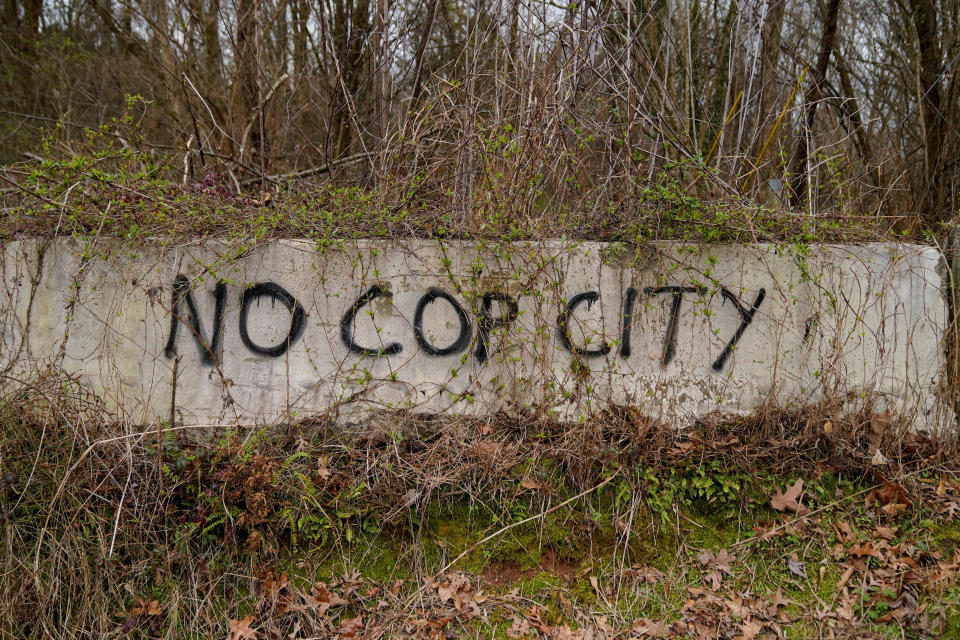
{"x": 892, "y": 493}
{"x": 533, "y": 615}
{"x": 864, "y": 550}
{"x": 147, "y": 607}
{"x": 942, "y": 487}
{"x": 887, "y": 533}
{"x": 844, "y": 579}
{"x": 322, "y": 599}
{"x": 487, "y": 448}
{"x": 564, "y": 632}
{"x": 905, "y": 606}
{"x": 893, "y": 508}
{"x": 749, "y": 629}
{"x": 520, "y": 629}
{"x": 596, "y": 586}
{"x": 322, "y": 472}
{"x": 683, "y": 447}
{"x": 645, "y": 574}
{"x": 797, "y": 567}
{"x": 646, "y": 628}
{"x": 456, "y": 588}
{"x": 351, "y": 627}
{"x": 767, "y": 534}
{"x": 241, "y": 630}
{"x": 789, "y": 500}
{"x": 531, "y": 484}
{"x": 716, "y": 562}
{"x": 777, "y": 600}
{"x": 951, "y": 509}
{"x": 844, "y": 531}
{"x": 446, "y": 591}
{"x": 878, "y": 426}
{"x": 845, "y": 611}
{"x": 720, "y": 560}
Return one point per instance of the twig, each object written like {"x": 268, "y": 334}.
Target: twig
{"x": 249, "y": 127}
{"x": 186, "y": 160}
{"x": 315, "y": 171}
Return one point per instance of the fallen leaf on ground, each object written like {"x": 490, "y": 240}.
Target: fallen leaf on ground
{"x": 533, "y": 615}
{"x": 777, "y": 600}
{"x": 844, "y": 578}
{"x": 241, "y": 630}
{"x": 951, "y": 509}
{"x": 887, "y": 533}
{"x": 749, "y": 629}
{"x": 646, "y": 628}
{"x": 520, "y": 629}
{"x": 351, "y": 627}
{"x": 864, "y": 550}
{"x": 486, "y": 448}
{"x": 878, "y": 426}
{"x": 645, "y": 574}
{"x": 322, "y": 472}
{"x": 892, "y": 493}
{"x": 845, "y": 611}
{"x": 844, "y": 531}
{"x": 716, "y": 563}
{"x": 321, "y": 599}
{"x": 789, "y": 500}
{"x": 797, "y": 567}
{"x": 720, "y": 560}
{"x": 147, "y": 607}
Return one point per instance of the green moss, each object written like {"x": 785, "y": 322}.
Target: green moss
{"x": 945, "y": 536}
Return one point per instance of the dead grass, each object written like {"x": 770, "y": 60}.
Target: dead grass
{"x": 409, "y": 526}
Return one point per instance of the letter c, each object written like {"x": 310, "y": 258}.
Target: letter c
{"x": 346, "y": 325}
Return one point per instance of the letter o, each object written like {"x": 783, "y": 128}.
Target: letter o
{"x": 275, "y": 292}
{"x": 463, "y": 338}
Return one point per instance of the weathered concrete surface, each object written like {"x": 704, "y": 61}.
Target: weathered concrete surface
{"x": 710, "y": 328}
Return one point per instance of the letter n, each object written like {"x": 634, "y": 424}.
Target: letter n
{"x": 181, "y": 293}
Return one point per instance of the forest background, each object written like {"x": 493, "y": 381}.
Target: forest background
{"x": 848, "y": 106}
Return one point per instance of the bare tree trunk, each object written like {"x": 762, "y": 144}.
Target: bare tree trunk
{"x": 32, "y": 10}
{"x": 245, "y": 77}
{"x": 421, "y": 48}
{"x": 11, "y": 16}
{"x": 380, "y": 69}
{"x": 724, "y": 84}
{"x": 851, "y": 108}
{"x": 812, "y": 100}
{"x": 769, "y": 82}
{"x": 301, "y": 18}
{"x": 930, "y": 67}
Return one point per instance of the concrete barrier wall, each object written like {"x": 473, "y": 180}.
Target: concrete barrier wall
{"x": 286, "y": 330}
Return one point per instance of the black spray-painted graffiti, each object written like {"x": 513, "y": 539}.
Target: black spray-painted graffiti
{"x": 275, "y": 292}
{"x": 670, "y": 342}
{"x": 346, "y": 326}
{"x": 463, "y": 337}
{"x": 208, "y": 348}
{"x": 563, "y": 325}
{"x": 487, "y": 321}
